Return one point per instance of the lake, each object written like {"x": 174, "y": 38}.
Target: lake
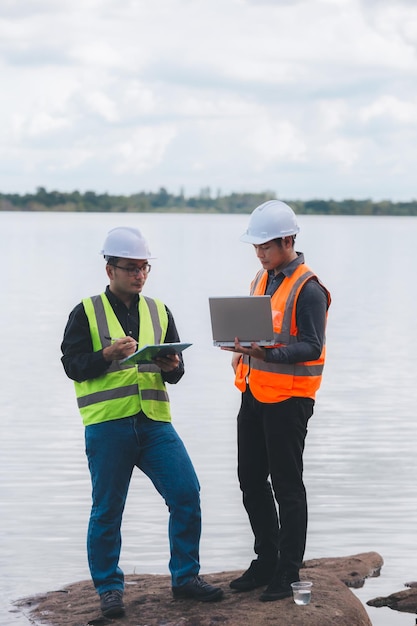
{"x": 360, "y": 460}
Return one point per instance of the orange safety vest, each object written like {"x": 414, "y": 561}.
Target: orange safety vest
{"x": 276, "y": 382}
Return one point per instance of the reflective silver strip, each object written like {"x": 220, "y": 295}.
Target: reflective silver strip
{"x": 255, "y": 281}
{"x": 106, "y": 395}
{"x": 148, "y": 368}
{"x": 155, "y": 394}
{"x": 103, "y": 329}
{"x": 296, "y": 369}
{"x": 153, "y": 309}
{"x": 284, "y": 336}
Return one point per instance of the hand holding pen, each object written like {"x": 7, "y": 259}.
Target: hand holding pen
{"x": 120, "y": 348}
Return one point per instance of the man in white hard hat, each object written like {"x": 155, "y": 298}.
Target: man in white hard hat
{"x": 278, "y": 386}
{"x": 126, "y": 413}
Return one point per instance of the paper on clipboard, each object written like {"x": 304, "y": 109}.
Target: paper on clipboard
{"x": 148, "y": 353}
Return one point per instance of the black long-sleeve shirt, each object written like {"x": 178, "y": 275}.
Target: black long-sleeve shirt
{"x": 311, "y": 311}
{"x": 81, "y": 363}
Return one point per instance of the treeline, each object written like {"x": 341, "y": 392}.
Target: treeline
{"x": 162, "y": 201}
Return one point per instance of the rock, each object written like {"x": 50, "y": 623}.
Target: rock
{"x": 404, "y": 601}
{"x": 149, "y": 601}
{"x": 351, "y": 570}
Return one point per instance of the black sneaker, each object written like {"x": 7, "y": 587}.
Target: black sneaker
{"x": 198, "y": 589}
{"x": 257, "y": 575}
{"x": 279, "y": 587}
{"x": 111, "y": 603}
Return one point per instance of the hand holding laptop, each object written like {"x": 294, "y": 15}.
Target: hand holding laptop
{"x": 254, "y": 350}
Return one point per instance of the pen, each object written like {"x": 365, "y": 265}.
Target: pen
{"x": 115, "y": 338}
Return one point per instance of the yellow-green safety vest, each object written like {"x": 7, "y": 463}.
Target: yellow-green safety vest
{"x": 124, "y": 390}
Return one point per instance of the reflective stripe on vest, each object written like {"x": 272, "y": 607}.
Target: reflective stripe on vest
{"x": 275, "y": 382}
{"x": 124, "y": 390}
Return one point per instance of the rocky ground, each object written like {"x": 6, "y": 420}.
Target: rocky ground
{"x": 404, "y": 601}
{"x": 149, "y": 601}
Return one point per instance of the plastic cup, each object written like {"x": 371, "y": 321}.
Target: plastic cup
{"x": 301, "y": 592}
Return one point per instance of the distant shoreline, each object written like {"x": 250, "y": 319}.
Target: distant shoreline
{"x": 165, "y": 202}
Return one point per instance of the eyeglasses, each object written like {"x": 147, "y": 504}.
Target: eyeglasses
{"x": 134, "y": 271}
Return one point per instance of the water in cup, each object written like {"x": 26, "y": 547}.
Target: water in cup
{"x": 302, "y": 597}
{"x": 301, "y": 592}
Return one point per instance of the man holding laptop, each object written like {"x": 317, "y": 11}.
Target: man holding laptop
{"x": 278, "y": 386}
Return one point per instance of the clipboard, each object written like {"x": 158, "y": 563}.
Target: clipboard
{"x": 150, "y": 352}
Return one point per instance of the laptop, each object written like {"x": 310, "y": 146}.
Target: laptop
{"x": 247, "y": 317}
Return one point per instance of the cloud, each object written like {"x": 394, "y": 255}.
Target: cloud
{"x": 392, "y": 108}
{"x": 102, "y": 105}
{"x": 144, "y": 150}
{"x": 277, "y": 141}
{"x": 232, "y": 94}
{"x": 39, "y": 124}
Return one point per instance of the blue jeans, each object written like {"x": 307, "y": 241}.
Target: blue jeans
{"x": 113, "y": 449}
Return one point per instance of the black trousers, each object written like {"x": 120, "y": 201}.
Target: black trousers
{"x": 271, "y": 444}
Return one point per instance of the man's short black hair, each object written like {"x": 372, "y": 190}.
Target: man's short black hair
{"x": 278, "y": 240}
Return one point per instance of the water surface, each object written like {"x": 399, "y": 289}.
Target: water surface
{"x": 360, "y": 461}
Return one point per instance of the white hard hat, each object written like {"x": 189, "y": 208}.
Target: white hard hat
{"x": 127, "y": 243}
{"x": 271, "y": 220}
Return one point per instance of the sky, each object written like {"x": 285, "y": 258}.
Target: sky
{"x": 307, "y": 99}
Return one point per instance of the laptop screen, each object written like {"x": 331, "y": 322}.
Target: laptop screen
{"x": 247, "y": 317}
